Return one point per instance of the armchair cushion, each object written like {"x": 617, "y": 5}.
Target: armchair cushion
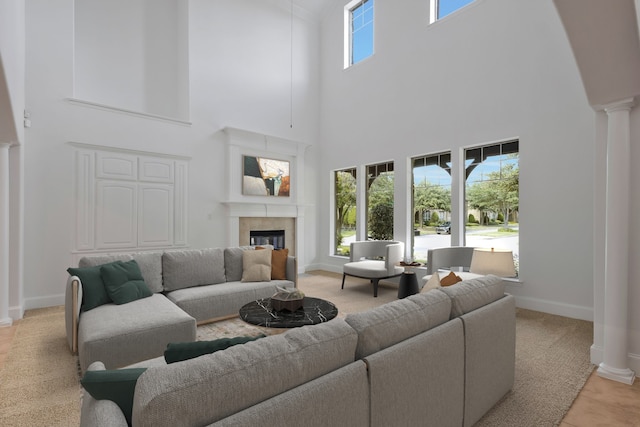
{"x": 369, "y": 269}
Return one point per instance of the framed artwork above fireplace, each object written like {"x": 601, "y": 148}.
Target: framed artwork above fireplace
{"x": 262, "y": 176}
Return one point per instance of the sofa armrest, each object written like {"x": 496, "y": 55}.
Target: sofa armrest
{"x": 96, "y": 413}
{"x": 73, "y": 300}
{"x": 292, "y": 270}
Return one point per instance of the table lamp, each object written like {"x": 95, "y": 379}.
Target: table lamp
{"x": 492, "y": 261}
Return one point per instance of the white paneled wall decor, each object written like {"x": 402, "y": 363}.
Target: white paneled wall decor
{"x": 128, "y": 200}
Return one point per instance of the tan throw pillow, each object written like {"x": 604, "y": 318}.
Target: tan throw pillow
{"x": 279, "y": 264}
{"x": 450, "y": 279}
{"x": 432, "y": 283}
{"x": 256, "y": 266}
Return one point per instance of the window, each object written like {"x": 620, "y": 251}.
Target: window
{"x": 492, "y": 197}
{"x": 380, "y": 194}
{"x": 431, "y": 203}
{"x": 358, "y": 31}
{"x": 442, "y": 8}
{"x": 345, "y": 210}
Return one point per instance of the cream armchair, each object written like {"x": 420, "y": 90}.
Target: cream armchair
{"x": 374, "y": 260}
{"x": 449, "y": 257}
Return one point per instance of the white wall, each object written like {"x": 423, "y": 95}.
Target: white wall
{"x": 11, "y": 70}
{"x": 132, "y": 55}
{"x": 495, "y": 70}
{"x": 239, "y": 74}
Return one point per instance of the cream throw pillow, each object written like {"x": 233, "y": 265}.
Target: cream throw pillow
{"x": 432, "y": 283}
{"x": 256, "y": 266}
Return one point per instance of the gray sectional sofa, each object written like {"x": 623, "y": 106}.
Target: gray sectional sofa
{"x": 439, "y": 358}
{"x": 188, "y": 287}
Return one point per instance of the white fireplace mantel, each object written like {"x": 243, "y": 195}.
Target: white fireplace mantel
{"x": 252, "y": 209}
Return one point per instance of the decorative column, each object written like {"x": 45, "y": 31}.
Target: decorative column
{"x": 5, "y": 320}
{"x": 615, "y": 362}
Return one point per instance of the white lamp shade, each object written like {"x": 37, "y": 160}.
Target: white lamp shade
{"x": 492, "y": 261}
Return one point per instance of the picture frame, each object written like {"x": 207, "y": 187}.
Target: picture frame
{"x": 263, "y": 176}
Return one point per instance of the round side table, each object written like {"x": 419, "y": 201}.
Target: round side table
{"x": 408, "y": 284}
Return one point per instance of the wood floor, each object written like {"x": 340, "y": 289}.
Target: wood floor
{"x": 601, "y": 402}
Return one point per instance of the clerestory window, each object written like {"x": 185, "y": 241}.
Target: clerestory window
{"x": 441, "y": 8}
{"x": 358, "y": 31}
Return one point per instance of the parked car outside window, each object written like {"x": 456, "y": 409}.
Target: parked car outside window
{"x": 444, "y": 228}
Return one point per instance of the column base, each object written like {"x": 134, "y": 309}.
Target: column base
{"x": 6, "y": 322}
{"x": 626, "y": 376}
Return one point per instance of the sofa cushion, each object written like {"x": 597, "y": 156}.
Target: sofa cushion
{"x": 471, "y": 294}
{"x": 193, "y": 267}
{"x": 233, "y": 262}
{"x": 256, "y": 266}
{"x": 177, "y": 352}
{"x": 117, "y": 386}
{"x": 384, "y": 326}
{"x": 119, "y": 335}
{"x": 206, "y": 389}
{"x": 224, "y": 299}
{"x": 94, "y": 294}
{"x": 124, "y": 282}
{"x": 150, "y": 264}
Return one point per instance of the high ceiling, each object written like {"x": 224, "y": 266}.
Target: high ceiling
{"x": 606, "y": 45}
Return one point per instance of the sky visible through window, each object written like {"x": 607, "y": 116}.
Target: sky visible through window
{"x": 435, "y": 175}
{"x": 362, "y": 27}
{"x": 445, "y": 7}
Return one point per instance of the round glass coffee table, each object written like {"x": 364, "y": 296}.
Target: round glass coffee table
{"x": 314, "y": 311}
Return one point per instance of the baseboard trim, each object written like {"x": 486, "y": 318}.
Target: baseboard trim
{"x": 44, "y": 301}
{"x": 597, "y": 355}
{"x": 16, "y": 312}
{"x": 554, "y": 307}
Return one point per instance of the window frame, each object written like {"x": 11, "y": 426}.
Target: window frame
{"x": 372, "y": 172}
{"x": 434, "y": 10}
{"x": 348, "y": 31}
{"x": 444, "y": 160}
{"x": 353, "y": 171}
{"x": 486, "y": 151}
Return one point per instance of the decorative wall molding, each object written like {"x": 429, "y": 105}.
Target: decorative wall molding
{"x": 128, "y": 200}
{"x": 104, "y": 107}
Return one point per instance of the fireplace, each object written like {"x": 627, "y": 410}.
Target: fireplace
{"x": 267, "y": 237}
{"x": 277, "y": 231}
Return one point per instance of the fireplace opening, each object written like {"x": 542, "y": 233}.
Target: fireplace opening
{"x": 267, "y": 237}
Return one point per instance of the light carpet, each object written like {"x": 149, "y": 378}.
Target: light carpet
{"x": 39, "y": 381}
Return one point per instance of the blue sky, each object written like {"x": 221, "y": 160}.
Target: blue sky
{"x": 437, "y": 176}
{"x": 447, "y": 6}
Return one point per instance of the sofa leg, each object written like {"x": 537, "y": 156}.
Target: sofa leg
{"x": 343, "y": 276}
{"x": 375, "y": 287}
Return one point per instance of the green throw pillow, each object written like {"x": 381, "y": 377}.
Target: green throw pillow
{"x": 94, "y": 293}
{"x": 117, "y": 385}
{"x": 124, "y": 282}
{"x": 177, "y": 352}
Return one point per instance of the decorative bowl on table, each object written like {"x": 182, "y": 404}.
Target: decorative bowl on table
{"x": 287, "y": 300}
